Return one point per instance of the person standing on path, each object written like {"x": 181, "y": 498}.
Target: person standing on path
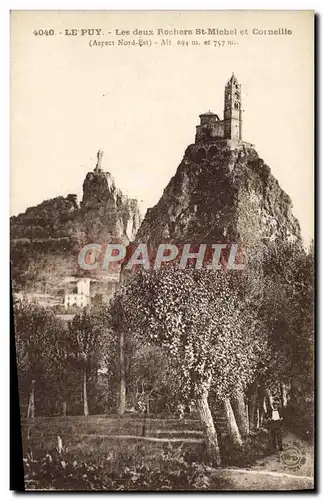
{"x": 275, "y": 426}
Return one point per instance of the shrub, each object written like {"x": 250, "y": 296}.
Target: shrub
{"x": 60, "y": 471}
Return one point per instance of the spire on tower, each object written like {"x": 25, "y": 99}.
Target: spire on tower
{"x": 233, "y": 79}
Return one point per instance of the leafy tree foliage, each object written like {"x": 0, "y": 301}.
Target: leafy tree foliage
{"x": 286, "y": 308}
{"x": 202, "y": 324}
{"x": 199, "y": 320}
{"x": 40, "y": 353}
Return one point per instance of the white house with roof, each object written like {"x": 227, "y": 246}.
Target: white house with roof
{"x": 79, "y": 295}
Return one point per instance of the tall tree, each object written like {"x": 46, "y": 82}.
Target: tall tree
{"x": 287, "y": 308}
{"x": 38, "y": 332}
{"x": 84, "y": 346}
{"x": 198, "y": 319}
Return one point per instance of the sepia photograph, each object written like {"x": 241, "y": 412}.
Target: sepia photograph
{"x": 162, "y": 250}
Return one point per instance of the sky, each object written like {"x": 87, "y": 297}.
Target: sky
{"x": 140, "y": 105}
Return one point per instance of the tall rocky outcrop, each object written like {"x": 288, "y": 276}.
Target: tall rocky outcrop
{"x": 47, "y": 238}
{"x": 106, "y": 210}
{"x": 222, "y": 192}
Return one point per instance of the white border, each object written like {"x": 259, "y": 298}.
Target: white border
{"x": 5, "y": 7}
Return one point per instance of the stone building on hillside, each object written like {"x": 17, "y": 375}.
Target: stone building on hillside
{"x": 85, "y": 292}
{"x": 77, "y": 293}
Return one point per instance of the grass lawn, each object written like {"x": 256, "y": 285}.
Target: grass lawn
{"x": 95, "y": 436}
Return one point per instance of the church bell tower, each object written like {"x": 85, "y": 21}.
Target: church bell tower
{"x": 233, "y": 110}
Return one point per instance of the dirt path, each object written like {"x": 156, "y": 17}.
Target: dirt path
{"x": 291, "y": 469}
{"x": 297, "y": 458}
{"x": 249, "y": 480}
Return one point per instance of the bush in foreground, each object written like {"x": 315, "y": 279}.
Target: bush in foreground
{"x": 60, "y": 471}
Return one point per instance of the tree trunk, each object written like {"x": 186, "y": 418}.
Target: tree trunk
{"x": 232, "y": 427}
{"x": 247, "y": 418}
{"x": 264, "y": 410}
{"x": 270, "y": 398}
{"x": 238, "y": 406}
{"x": 64, "y": 408}
{"x": 207, "y": 423}
{"x": 283, "y": 391}
{"x": 85, "y": 395}
{"x": 31, "y": 403}
{"x": 146, "y": 410}
{"x": 122, "y": 383}
{"x": 59, "y": 445}
{"x": 258, "y": 418}
{"x": 252, "y": 408}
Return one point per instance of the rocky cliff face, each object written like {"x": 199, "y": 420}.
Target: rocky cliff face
{"x": 103, "y": 203}
{"x": 222, "y": 192}
{"x": 46, "y": 239}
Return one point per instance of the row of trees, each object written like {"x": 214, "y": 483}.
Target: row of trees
{"x": 229, "y": 335}
{"x": 171, "y": 338}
